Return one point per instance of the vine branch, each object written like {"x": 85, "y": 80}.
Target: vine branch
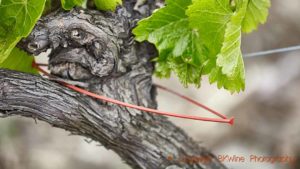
{"x": 144, "y": 141}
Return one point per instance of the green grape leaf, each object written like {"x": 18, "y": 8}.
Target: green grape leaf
{"x": 20, "y": 61}
{"x": 180, "y": 48}
{"x": 219, "y": 25}
{"x": 229, "y": 72}
{"x": 257, "y": 12}
{"x": 233, "y": 84}
{"x": 230, "y": 54}
{"x": 210, "y": 18}
{"x": 18, "y": 18}
{"x": 171, "y": 16}
{"x": 107, "y": 5}
{"x": 69, "y": 4}
{"x": 198, "y": 37}
{"x": 6, "y": 46}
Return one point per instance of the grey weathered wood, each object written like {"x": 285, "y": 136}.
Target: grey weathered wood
{"x": 96, "y": 51}
{"x": 142, "y": 140}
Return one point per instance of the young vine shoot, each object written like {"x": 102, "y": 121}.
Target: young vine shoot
{"x": 193, "y": 37}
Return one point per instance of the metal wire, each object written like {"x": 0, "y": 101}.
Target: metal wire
{"x": 272, "y": 51}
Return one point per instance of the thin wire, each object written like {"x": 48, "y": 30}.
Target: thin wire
{"x": 224, "y": 119}
{"x": 190, "y": 100}
{"x": 272, "y": 51}
{"x": 80, "y": 90}
{"x": 36, "y": 65}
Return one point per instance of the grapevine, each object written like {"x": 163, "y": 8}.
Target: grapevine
{"x": 193, "y": 37}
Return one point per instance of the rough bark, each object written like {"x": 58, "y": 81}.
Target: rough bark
{"x": 141, "y": 139}
{"x": 95, "y": 50}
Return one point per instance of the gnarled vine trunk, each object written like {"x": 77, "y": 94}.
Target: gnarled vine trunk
{"x": 96, "y": 51}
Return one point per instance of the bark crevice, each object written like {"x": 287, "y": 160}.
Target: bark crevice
{"x": 142, "y": 140}
{"x": 96, "y": 49}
